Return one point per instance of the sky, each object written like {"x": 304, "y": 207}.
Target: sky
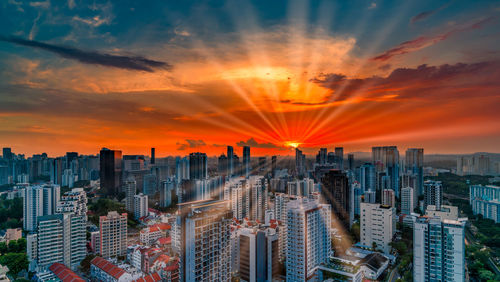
{"x": 185, "y": 76}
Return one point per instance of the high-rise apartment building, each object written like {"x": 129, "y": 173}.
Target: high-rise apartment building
{"x": 167, "y": 190}
{"x": 433, "y": 193}
{"x": 247, "y": 198}
{"x": 74, "y": 201}
{"x": 388, "y": 198}
{"x": 130, "y": 188}
{"x": 308, "y": 238}
{"x": 335, "y": 192}
{"x": 485, "y": 200}
{"x": 140, "y": 205}
{"x": 407, "y": 200}
{"x": 438, "y": 250}
{"x": 198, "y": 166}
{"x": 110, "y": 171}
{"x": 61, "y": 238}
{"x": 113, "y": 234}
{"x": 38, "y": 201}
{"x": 377, "y": 226}
{"x": 258, "y": 254}
{"x": 149, "y": 186}
{"x": 202, "y": 238}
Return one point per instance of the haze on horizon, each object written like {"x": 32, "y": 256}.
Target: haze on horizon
{"x": 198, "y": 76}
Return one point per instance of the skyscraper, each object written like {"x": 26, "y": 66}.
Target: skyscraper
{"x": 198, "y": 166}
{"x": 153, "y": 157}
{"x": 308, "y": 238}
{"x": 246, "y": 161}
{"x": 7, "y": 153}
{"x": 433, "y": 194}
{"x": 274, "y": 160}
{"x": 230, "y": 160}
{"x": 438, "y": 250}
{"x": 377, "y": 225}
{"x": 414, "y": 163}
{"x": 202, "y": 238}
{"x": 367, "y": 177}
{"x": 300, "y": 160}
{"x": 110, "y": 171}
{"x": 113, "y": 231}
{"x": 386, "y": 159}
{"x": 339, "y": 156}
{"x": 149, "y": 184}
{"x": 181, "y": 169}
{"x": 335, "y": 191}
{"x": 350, "y": 162}
{"x": 321, "y": 158}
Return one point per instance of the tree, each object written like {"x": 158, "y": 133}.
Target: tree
{"x": 485, "y": 274}
{"x": 15, "y": 262}
{"x": 3, "y": 247}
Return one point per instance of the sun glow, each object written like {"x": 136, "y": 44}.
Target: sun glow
{"x": 292, "y": 144}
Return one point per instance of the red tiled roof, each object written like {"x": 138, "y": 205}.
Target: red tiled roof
{"x": 64, "y": 273}
{"x": 108, "y": 267}
{"x": 165, "y": 240}
{"x": 150, "y": 278}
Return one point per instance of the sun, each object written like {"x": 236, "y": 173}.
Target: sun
{"x": 292, "y": 144}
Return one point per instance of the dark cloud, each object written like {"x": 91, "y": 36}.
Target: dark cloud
{"x": 385, "y": 67}
{"x": 252, "y": 143}
{"x": 422, "y": 42}
{"x": 93, "y": 57}
{"x": 424, "y": 15}
{"x": 190, "y": 143}
{"x": 415, "y": 82}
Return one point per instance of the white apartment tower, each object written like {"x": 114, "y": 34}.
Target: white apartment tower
{"x": 407, "y": 200}
{"x": 433, "y": 194}
{"x": 61, "y": 238}
{"x": 438, "y": 250}
{"x": 113, "y": 231}
{"x": 308, "y": 238}
{"x": 140, "y": 205}
{"x": 39, "y": 201}
{"x": 377, "y": 226}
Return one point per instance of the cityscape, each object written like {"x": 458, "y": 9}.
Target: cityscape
{"x": 249, "y": 141}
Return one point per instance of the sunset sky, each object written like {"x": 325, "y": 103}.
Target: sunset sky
{"x": 186, "y": 76}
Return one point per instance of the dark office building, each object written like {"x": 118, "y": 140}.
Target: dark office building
{"x": 263, "y": 249}
{"x": 230, "y": 160}
{"x": 222, "y": 165}
{"x": 7, "y": 154}
{"x": 339, "y": 157}
{"x": 335, "y": 191}
{"x": 70, "y": 156}
{"x": 246, "y": 161}
{"x": 262, "y": 163}
{"x": 350, "y": 162}
{"x": 153, "y": 156}
{"x": 197, "y": 166}
{"x": 274, "y": 160}
{"x": 110, "y": 171}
